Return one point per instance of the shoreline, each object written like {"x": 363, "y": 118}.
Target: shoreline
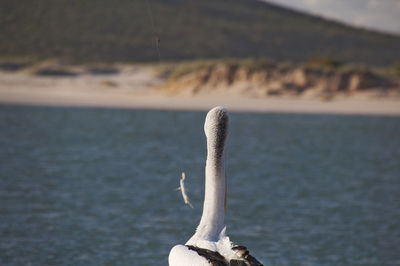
{"x": 89, "y": 91}
{"x": 199, "y": 103}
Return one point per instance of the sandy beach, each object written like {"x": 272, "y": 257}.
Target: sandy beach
{"x": 136, "y": 88}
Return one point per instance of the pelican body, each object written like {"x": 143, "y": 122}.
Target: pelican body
{"x": 210, "y": 245}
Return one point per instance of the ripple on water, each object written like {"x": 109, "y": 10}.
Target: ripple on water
{"x": 97, "y": 186}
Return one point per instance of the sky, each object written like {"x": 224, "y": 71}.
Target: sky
{"x": 383, "y": 15}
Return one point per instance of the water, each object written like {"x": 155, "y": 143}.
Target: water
{"x": 97, "y": 186}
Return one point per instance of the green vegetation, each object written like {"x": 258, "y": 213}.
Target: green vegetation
{"x": 111, "y": 31}
{"x": 187, "y": 67}
{"x": 184, "y": 68}
{"x": 330, "y": 65}
{"x": 396, "y": 69}
{"x": 325, "y": 66}
{"x": 324, "y": 62}
{"x": 178, "y": 70}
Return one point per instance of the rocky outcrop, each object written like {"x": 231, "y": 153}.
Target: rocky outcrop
{"x": 277, "y": 80}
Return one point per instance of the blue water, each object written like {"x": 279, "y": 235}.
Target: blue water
{"x": 97, "y": 186}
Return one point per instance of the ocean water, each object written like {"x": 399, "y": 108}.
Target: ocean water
{"x": 97, "y": 186}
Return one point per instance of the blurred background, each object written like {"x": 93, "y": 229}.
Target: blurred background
{"x": 102, "y": 105}
{"x": 189, "y": 29}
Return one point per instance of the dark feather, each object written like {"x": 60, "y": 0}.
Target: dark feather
{"x": 213, "y": 257}
{"x": 216, "y": 259}
{"x": 244, "y": 253}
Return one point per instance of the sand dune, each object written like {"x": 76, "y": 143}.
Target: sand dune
{"x": 136, "y": 88}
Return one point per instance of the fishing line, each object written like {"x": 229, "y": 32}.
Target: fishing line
{"x": 154, "y": 29}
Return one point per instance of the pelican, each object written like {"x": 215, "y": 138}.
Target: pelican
{"x": 210, "y": 246}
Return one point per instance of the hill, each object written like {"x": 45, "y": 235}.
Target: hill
{"x": 106, "y": 31}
